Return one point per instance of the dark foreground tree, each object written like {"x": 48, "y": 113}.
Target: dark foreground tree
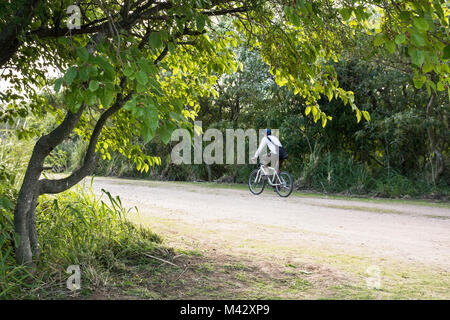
{"x": 139, "y": 67}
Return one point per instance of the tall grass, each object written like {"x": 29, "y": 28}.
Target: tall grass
{"x": 333, "y": 172}
{"x": 14, "y": 155}
{"x": 79, "y": 228}
{"x": 13, "y": 279}
{"x": 76, "y": 227}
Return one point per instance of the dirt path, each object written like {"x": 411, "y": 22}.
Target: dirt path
{"x": 231, "y": 244}
{"x": 409, "y": 233}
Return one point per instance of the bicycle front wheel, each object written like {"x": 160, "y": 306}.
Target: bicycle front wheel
{"x": 286, "y": 185}
{"x": 256, "y": 182}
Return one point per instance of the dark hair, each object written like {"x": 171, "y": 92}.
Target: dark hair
{"x": 268, "y": 132}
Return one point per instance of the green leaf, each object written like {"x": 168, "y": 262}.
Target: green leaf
{"x": 64, "y": 41}
{"x": 379, "y": 40}
{"x": 147, "y": 133}
{"x": 294, "y": 18}
{"x": 430, "y": 84}
{"x": 82, "y": 53}
{"x": 366, "y": 115}
{"x": 427, "y": 67}
{"x": 91, "y": 98}
{"x": 165, "y": 132}
{"x": 151, "y": 116}
{"x": 446, "y": 53}
{"x": 140, "y": 88}
{"x": 150, "y": 122}
{"x": 419, "y": 81}
{"x": 200, "y": 21}
{"x": 418, "y": 40}
{"x": 308, "y": 110}
{"x": 130, "y": 105}
{"x": 92, "y": 71}
{"x": 390, "y": 46}
{"x": 324, "y": 120}
{"x": 417, "y": 57}
{"x": 128, "y": 70}
{"x": 155, "y": 40}
{"x": 93, "y": 85}
{"x": 70, "y": 75}
{"x": 399, "y": 39}
{"x": 171, "y": 47}
{"x": 405, "y": 16}
{"x": 156, "y": 86}
{"x": 148, "y": 67}
{"x": 106, "y": 66}
{"x": 107, "y": 96}
{"x": 58, "y": 84}
{"x": 358, "y": 115}
{"x": 346, "y": 13}
{"x": 142, "y": 78}
{"x": 421, "y": 24}
{"x": 84, "y": 73}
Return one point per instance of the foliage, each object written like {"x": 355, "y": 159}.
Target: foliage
{"x": 76, "y": 227}
{"x": 161, "y": 72}
{"x": 388, "y": 156}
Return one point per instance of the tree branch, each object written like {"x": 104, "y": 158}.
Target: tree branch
{"x": 61, "y": 132}
{"x": 57, "y": 186}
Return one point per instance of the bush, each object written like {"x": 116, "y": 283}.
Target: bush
{"x": 334, "y": 172}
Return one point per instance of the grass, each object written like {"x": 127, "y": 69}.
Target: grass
{"x": 263, "y": 269}
{"x": 77, "y": 228}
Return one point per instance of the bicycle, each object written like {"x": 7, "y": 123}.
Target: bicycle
{"x": 259, "y": 177}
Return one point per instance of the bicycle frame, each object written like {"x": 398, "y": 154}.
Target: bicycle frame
{"x": 262, "y": 172}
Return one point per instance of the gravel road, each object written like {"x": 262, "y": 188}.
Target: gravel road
{"x": 406, "y": 232}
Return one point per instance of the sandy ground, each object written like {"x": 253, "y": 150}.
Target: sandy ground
{"x": 405, "y": 232}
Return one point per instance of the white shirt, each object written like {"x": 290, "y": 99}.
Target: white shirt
{"x": 273, "y": 146}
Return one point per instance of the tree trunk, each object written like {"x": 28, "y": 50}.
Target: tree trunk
{"x": 24, "y": 217}
{"x": 24, "y": 212}
{"x": 208, "y": 170}
{"x": 33, "y": 187}
{"x": 438, "y": 167}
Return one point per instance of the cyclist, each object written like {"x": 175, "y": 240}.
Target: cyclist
{"x": 276, "y": 149}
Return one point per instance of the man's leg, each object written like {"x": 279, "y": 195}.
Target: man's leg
{"x": 265, "y": 160}
{"x": 275, "y": 162}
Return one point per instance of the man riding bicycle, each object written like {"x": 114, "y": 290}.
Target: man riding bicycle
{"x": 277, "y": 154}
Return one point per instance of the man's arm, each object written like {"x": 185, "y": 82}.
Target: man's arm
{"x": 261, "y": 146}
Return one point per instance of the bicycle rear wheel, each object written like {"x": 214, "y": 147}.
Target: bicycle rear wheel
{"x": 256, "y": 182}
{"x": 286, "y": 185}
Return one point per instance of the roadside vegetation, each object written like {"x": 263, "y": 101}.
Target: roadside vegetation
{"x": 74, "y": 228}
